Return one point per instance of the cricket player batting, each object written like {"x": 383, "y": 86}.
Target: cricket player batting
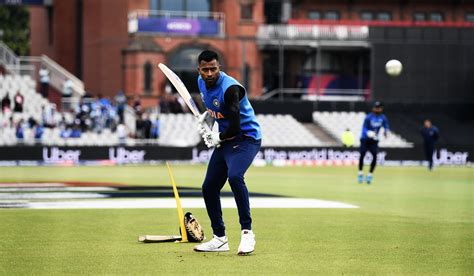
{"x": 235, "y": 146}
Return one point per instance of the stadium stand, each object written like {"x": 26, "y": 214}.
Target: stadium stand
{"x": 278, "y": 131}
{"x": 39, "y": 120}
{"x": 178, "y": 130}
{"x": 175, "y": 129}
{"x": 286, "y": 131}
{"x": 336, "y": 122}
{"x": 32, "y": 107}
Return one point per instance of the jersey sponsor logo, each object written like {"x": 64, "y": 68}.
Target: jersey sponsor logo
{"x": 215, "y": 115}
{"x": 376, "y": 123}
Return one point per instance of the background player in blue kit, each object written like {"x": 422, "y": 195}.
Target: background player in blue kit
{"x": 235, "y": 146}
{"x": 430, "y": 135}
{"x": 369, "y": 139}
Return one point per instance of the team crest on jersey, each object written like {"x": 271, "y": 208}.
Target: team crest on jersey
{"x": 215, "y": 102}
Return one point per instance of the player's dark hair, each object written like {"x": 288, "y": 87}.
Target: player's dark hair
{"x": 378, "y": 104}
{"x": 207, "y": 55}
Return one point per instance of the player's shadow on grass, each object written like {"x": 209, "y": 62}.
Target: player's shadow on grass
{"x": 164, "y": 191}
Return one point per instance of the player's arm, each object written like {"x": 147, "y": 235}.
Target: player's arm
{"x": 232, "y": 98}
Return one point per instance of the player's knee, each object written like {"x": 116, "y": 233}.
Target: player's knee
{"x": 374, "y": 161}
{"x": 236, "y": 179}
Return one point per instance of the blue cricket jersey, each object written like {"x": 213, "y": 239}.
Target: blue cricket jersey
{"x": 374, "y": 122}
{"x": 430, "y": 135}
{"x": 213, "y": 99}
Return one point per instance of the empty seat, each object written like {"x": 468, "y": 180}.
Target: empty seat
{"x": 284, "y": 130}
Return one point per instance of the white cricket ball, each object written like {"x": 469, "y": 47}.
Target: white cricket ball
{"x": 393, "y": 67}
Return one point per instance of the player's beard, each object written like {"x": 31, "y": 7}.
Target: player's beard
{"x": 211, "y": 81}
{"x": 377, "y": 111}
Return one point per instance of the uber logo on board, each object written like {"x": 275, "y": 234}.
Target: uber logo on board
{"x": 58, "y": 155}
{"x": 126, "y": 156}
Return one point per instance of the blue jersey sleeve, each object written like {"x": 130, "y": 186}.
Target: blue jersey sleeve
{"x": 366, "y": 122}
{"x": 365, "y": 126}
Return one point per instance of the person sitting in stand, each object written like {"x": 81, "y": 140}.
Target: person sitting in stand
{"x": 76, "y": 131}
{"x": 18, "y": 101}
{"x": 20, "y": 130}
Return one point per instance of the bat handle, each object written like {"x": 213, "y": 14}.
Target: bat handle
{"x": 208, "y": 128}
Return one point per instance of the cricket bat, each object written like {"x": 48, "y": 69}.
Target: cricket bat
{"x": 156, "y": 238}
{"x": 183, "y": 92}
{"x": 181, "y": 88}
{"x": 160, "y": 238}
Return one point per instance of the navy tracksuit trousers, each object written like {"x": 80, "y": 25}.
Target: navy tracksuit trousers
{"x": 229, "y": 162}
{"x": 429, "y": 151}
{"x": 371, "y": 146}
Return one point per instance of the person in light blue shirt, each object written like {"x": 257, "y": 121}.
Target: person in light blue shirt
{"x": 369, "y": 141}
{"x": 236, "y": 144}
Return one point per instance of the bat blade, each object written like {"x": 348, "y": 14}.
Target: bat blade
{"x": 183, "y": 92}
{"x": 180, "y": 87}
{"x": 158, "y": 238}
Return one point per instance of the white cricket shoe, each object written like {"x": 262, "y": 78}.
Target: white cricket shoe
{"x": 217, "y": 244}
{"x": 247, "y": 242}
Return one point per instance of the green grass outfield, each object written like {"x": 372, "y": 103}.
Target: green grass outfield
{"x": 410, "y": 221}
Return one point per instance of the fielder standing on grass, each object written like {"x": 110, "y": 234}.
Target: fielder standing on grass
{"x": 235, "y": 146}
{"x": 430, "y": 135}
{"x": 369, "y": 139}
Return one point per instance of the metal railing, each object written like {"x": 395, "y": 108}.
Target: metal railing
{"x": 133, "y": 17}
{"x": 30, "y": 65}
{"x": 176, "y": 14}
{"x": 352, "y": 95}
{"x": 312, "y": 32}
{"x": 8, "y": 58}
{"x": 57, "y": 74}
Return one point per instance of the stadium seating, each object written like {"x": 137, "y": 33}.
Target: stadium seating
{"x": 33, "y": 103}
{"x": 286, "y": 131}
{"x": 33, "y": 107}
{"x": 278, "y": 130}
{"x": 10, "y": 84}
{"x": 178, "y": 130}
{"x": 336, "y": 122}
{"x": 175, "y": 129}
